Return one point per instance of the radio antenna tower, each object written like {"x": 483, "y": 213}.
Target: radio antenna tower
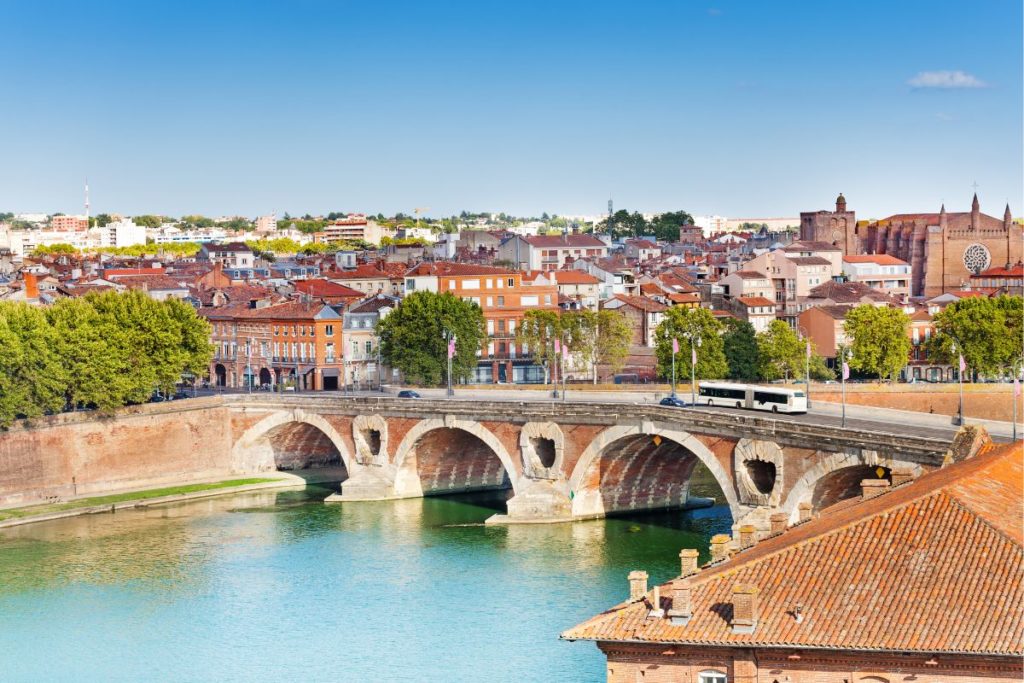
{"x": 86, "y": 203}
{"x": 610, "y": 211}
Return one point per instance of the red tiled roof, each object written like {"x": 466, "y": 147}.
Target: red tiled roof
{"x": 847, "y": 292}
{"x": 750, "y": 275}
{"x": 755, "y": 301}
{"x": 327, "y": 288}
{"x": 880, "y": 259}
{"x": 575, "y": 277}
{"x": 933, "y": 566}
{"x": 641, "y": 302}
{"x": 810, "y": 260}
{"x": 1002, "y": 271}
{"x": 810, "y": 245}
{"x": 452, "y": 269}
{"x": 564, "y": 241}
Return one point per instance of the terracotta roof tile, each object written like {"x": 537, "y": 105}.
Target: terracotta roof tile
{"x": 932, "y": 566}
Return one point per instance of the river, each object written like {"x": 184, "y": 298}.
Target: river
{"x": 278, "y": 586}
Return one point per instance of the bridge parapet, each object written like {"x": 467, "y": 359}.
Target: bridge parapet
{"x": 783, "y": 431}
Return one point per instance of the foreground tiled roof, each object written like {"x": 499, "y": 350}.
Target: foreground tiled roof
{"x": 932, "y": 566}
{"x": 880, "y": 259}
{"x": 847, "y": 292}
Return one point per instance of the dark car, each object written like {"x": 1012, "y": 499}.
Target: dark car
{"x": 673, "y": 401}
{"x": 408, "y": 393}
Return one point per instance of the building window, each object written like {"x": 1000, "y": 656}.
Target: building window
{"x": 329, "y": 330}
{"x": 711, "y": 677}
{"x": 511, "y": 282}
{"x": 369, "y": 347}
{"x": 501, "y": 301}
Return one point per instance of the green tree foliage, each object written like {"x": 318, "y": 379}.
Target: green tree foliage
{"x": 623, "y": 224}
{"x": 666, "y": 226}
{"x": 879, "y": 341}
{"x": 148, "y": 221}
{"x": 538, "y": 330}
{"x": 101, "y": 351}
{"x": 596, "y": 338}
{"x": 53, "y": 250}
{"x": 238, "y": 224}
{"x": 33, "y": 372}
{"x": 988, "y": 332}
{"x": 101, "y": 220}
{"x": 783, "y": 355}
{"x": 196, "y": 221}
{"x": 685, "y": 324}
{"x": 740, "y": 343}
{"x": 412, "y": 337}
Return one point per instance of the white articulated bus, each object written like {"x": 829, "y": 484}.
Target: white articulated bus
{"x": 752, "y": 396}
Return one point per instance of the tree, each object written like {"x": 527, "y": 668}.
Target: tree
{"x": 597, "y": 338}
{"x": 623, "y": 224}
{"x": 666, "y": 226}
{"x": 102, "y": 220}
{"x": 740, "y": 343}
{"x": 34, "y": 372}
{"x": 148, "y": 221}
{"x": 537, "y": 332}
{"x": 781, "y": 353}
{"x": 53, "y": 250}
{"x": 987, "y": 331}
{"x": 879, "y": 339}
{"x": 412, "y": 337}
{"x": 685, "y": 324}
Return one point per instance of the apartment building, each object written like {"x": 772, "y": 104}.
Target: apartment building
{"x": 291, "y": 344}
{"x": 550, "y": 252}
{"x": 879, "y": 271}
{"x": 504, "y": 299}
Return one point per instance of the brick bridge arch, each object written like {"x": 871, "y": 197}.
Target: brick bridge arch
{"x": 831, "y": 466}
{"x": 425, "y": 464}
{"x": 662, "y": 470}
{"x": 282, "y": 439}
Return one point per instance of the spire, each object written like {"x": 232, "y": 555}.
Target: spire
{"x": 975, "y": 205}
{"x": 1007, "y": 216}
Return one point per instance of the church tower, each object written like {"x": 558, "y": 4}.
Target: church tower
{"x": 838, "y": 228}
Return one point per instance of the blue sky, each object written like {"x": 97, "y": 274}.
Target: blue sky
{"x": 737, "y": 108}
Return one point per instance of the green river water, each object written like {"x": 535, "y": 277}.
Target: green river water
{"x": 278, "y": 586}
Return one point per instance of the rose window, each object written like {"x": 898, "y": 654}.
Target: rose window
{"x": 976, "y": 258}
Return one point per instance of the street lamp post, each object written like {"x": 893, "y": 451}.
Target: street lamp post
{"x": 449, "y": 337}
{"x": 675, "y": 350}
{"x": 845, "y": 374}
{"x": 565, "y": 358}
{"x": 693, "y": 369}
{"x": 961, "y": 366}
{"x": 554, "y": 367}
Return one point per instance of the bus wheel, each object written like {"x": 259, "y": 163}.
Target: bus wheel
{"x": 711, "y": 404}
{"x": 738, "y": 404}
{"x": 775, "y": 409}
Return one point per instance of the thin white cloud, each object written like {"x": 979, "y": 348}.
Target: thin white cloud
{"x": 946, "y": 80}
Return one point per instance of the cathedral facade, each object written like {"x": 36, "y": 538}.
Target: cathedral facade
{"x": 943, "y": 249}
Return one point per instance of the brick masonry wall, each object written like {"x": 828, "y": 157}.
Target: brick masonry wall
{"x": 678, "y": 664}
{"x": 987, "y": 405}
{"x": 148, "y": 446}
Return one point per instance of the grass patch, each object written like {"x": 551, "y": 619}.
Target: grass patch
{"x": 15, "y": 513}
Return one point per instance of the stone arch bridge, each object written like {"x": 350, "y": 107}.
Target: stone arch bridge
{"x": 569, "y": 461}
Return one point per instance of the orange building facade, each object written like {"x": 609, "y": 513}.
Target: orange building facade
{"x": 292, "y": 345}
{"x": 504, "y": 300}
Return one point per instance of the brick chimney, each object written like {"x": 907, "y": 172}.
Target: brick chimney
{"x": 720, "y": 547}
{"x": 873, "y": 487}
{"x": 744, "y": 608}
{"x": 688, "y": 561}
{"x": 779, "y": 521}
{"x": 682, "y": 608}
{"x": 805, "y": 511}
{"x": 656, "y": 611}
{"x": 31, "y": 285}
{"x": 637, "y": 584}
{"x": 748, "y": 536}
{"x": 902, "y": 475}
